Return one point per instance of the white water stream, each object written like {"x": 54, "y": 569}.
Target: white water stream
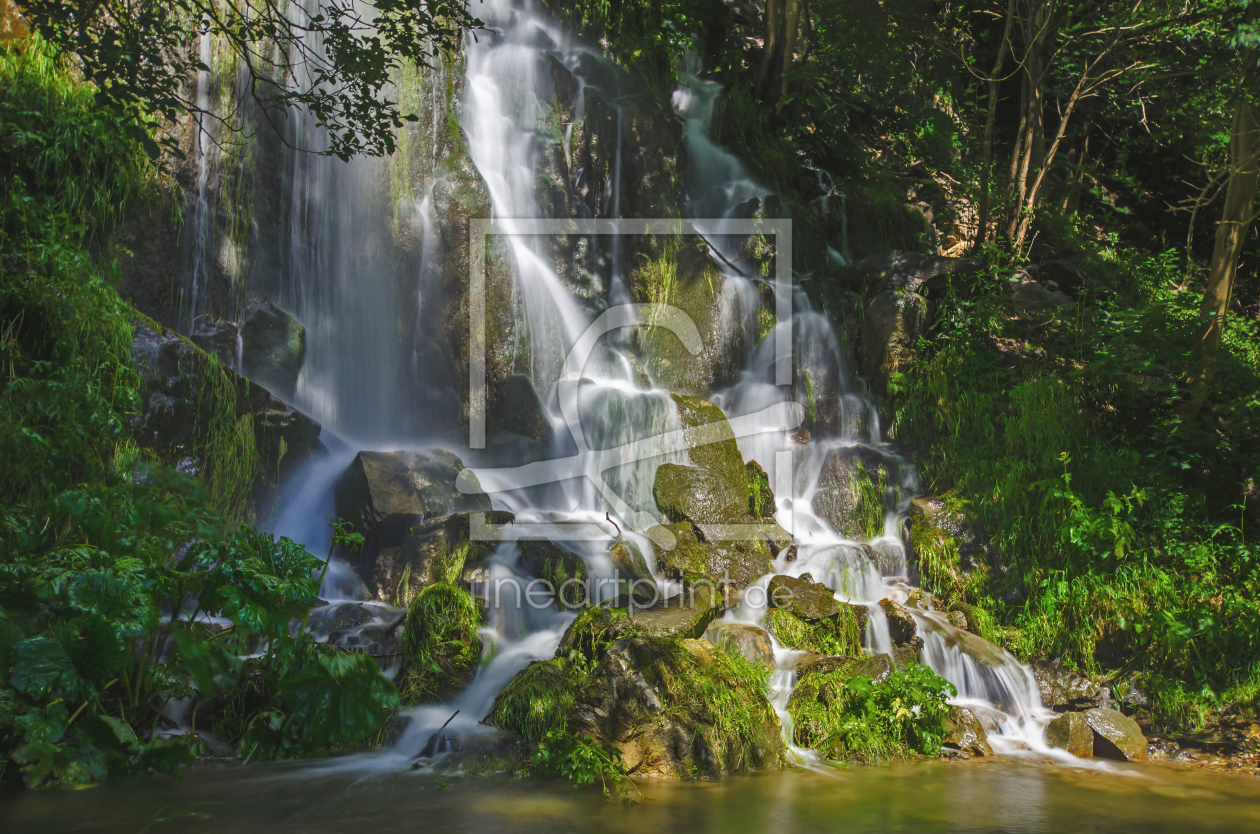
{"x": 355, "y": 373}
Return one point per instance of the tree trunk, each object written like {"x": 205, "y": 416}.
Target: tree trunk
{"x": 1231, "y": 235}
{"x": 982, "y": 230}
{"x": 766, "y": 76}
{"x": 791, "y": 24}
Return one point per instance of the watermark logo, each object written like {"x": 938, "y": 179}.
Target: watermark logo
{"x": 591, "y": 463}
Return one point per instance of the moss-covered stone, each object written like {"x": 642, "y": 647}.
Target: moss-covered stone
{"x": 679, "y": 708}
{"x": 564, "y": 570}
{"x": 804, "y": 597}
{"x": 537, "y": 701}
{"x": 593, "y": 631}
{"x": 727, "y": 563}
{"x": 760, "y": 495}
{"x": 440, "y": 647}
{"x": 840, "y": 634}
{"x": 850, "y": 494}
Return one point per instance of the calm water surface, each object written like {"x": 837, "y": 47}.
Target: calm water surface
{"x": 919, "y": 797}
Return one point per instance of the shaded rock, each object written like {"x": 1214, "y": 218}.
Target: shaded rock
{"x": 723, "y": 562}
{"x": 849, "y": 497}
{"x": 418, "y": 485}
{"x": 409, "y": 553}
{"x": 1116, "y": 735}
{"x": 1033, "y": 298}
{"x": 633, "y": 569}
{"x": 1070, "y": 732}
{"x": 185, "y": 394}
{"x": 565, "y": 571}
{"x": 221, "y": 339}
{"x": 760, "y": 496}
{"x": 876, "y": 667}
{"x": 644, "y": 698}
{"x": 1063, "y": 690}
{"x": 901, "y": 625}
{"x": 910, "y": 652}
{"x": 963, "y": 732}
{"x": 273, "y": 347}
{"x": 520, "y": 410}
{"x": 749, "y": 641}
{"x": 805, "y": 598}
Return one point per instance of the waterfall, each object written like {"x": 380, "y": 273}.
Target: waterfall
{"x": 359, "y": 381}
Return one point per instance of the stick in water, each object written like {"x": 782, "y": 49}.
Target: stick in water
{"x": 430, "y": 743}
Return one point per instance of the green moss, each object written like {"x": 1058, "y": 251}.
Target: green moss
{"x": 595, "y": 629}
{"x": 840, "y": 635}
{"x": 440, "y": 645}
{"x": 724, "y": 700}
{"x": 226, "y": 443}
{"x": 537, "y": 701}
{"x": 868, "y": 501}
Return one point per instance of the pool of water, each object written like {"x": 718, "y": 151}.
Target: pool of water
{"x": 922, "y": 797}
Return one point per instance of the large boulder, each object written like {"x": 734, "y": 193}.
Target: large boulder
{"x": 381, "y": 489}
{"x": 410, "y": 553}
{"x": 714, "y": 487}
{"x": 850, "y": 495}
{"x": 686, "y": 614}
{"x": 1116, "y": 735}
{"x": 678, "y": 708}
{"x": 273, "y": 347}
{"x": 1070, "y": 732}
{"x": 964, "y": 733}
{"x": 729, "y": 560}
{"x": 752, "y": 643}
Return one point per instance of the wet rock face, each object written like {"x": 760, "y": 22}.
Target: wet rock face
{"x": 179, "y": 402}
{"x": 805, "y": 598}
{"x": 407, "y": 554}
{"x": 963, "y": 732}
{"x": 519, "y": 410}
{"x": 748, "y": 641}
{"x": 637, "y": 699}
{"x": 725, "y": 563}
{"x": 901, "y": 625}
{"x": 418, "y": 484}
{"x": 273, "y": 346}
{"x": 844, "y": 499}
{"x": 686, "y": 615}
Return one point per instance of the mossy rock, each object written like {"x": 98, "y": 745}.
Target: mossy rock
{"x": 804, "y": 597}
{"x": 823, "y": 714}
{"x": 850, "y": 494}
{"x": 537, "y": 701}
{"x": 273, "y": 347}
{"x": 901, "y": 625}
{"x": 594, "y": 630}
{"x": 965, "y": 733}
{"x": 715, "y": 487}
{"x": 407, "y": 554}
{"x": 679, "y": 709}
{"x": 724, "y": 564}
{"x": 760, "y": 495}
{"x": 837, "y": 635}
{"x": 440, "y": 647}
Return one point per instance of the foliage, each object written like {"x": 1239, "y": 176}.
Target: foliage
{"x": 333, "y": 60}
{"x": 1121, "y": 525}
{"x": 440, "y": 646}
{"x": 851, "y": 718}
{"x": 113, "y": 567}
{"x": 581, "y": 762}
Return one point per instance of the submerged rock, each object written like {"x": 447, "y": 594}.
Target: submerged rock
{"x": 963, "y": 732}
{"x": 752, "y": 643}
{"x": 273, "y": 347}
{"x": 678, "y": 708}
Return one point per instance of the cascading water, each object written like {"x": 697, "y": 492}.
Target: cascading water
{"x": 354, "y": 379}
